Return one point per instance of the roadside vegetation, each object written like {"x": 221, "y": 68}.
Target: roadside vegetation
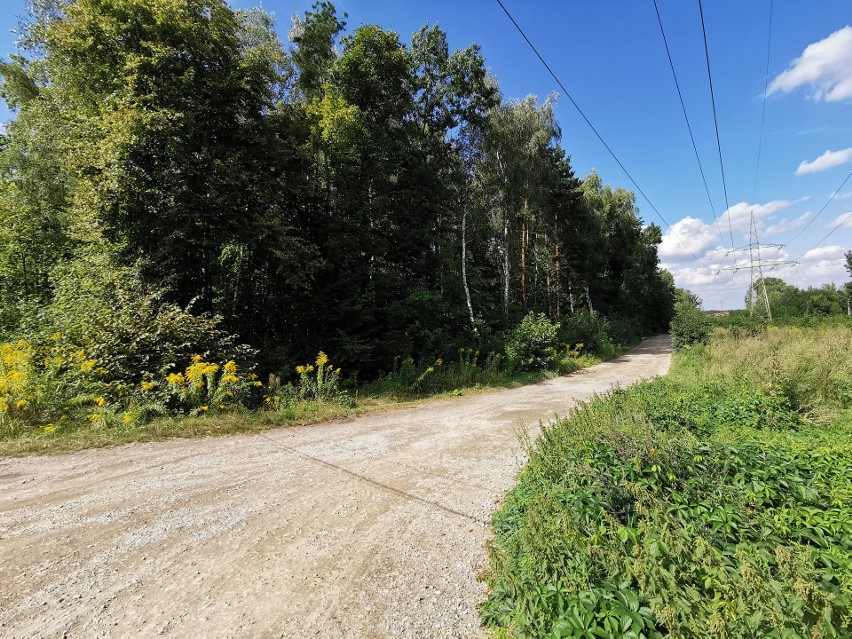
{"x": 714, "y": 502}
{"x": 53, "y": 401}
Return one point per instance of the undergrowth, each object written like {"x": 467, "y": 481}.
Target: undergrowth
{"x": 716, "y": 502}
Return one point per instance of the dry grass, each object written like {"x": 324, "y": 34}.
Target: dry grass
{"x": 812, "y": 367}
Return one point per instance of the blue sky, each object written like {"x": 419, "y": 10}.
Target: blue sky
{"x": 610, "y": 56}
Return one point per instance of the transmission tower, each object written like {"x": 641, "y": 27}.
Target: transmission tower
{"x": 755, "y": 266}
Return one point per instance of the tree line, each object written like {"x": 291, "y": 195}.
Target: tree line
{"x": 176, "y": 180}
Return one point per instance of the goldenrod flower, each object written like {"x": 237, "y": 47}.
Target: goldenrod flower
{"x": 146, "y": 385}
{"x": 439, "y": 362}
{"x": 49, "y": 428}
{"x": 100, "y": 401}
{"x": 257, "y": 384}
{"x": 128, "y": 418}
{"x": 20, "y": 403}
{"x": 204, "y": 408}
{"x": 230, "y": 379}
{"x": 56, "y": 336}
{"x": 197, "y": 358}
{"x": 230, "y": 368}
{"x": 175, "y": 378}
{"x": 221, "y": 407}
{"x": 322, "y": 359}
{"x": 300, "y": 369}
{"x": 337, "y": 372}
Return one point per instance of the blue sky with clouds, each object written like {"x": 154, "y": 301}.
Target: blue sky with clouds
{"x": 610, "y": 56}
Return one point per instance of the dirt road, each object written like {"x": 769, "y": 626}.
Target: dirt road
{"x": 373, "y": 527}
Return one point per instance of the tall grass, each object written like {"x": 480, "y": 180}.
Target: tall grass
{"x": 811, "y": 367}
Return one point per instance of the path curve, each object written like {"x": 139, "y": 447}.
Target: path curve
{"x": 372, "y": 527}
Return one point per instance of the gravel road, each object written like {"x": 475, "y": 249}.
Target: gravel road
{"x": 371, "y": 527}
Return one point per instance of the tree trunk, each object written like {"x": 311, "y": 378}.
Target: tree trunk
{"x": 524, "y": 255}
{"x": 570, "y": 296}
{"x": 506, "y": 264}
{"x": 558, "y": 301}
{"x": 588, "y": 298}
{"x": 464, "y": 270}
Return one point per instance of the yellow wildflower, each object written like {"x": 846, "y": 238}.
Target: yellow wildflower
{"x": 146, "y": 385}
{"x": 337, "y": 372}
{"x": 329, "y": 368}
{"x": 200, "y": 369}
{"x": 257, "y": 384}
{"x": 49, "y": 428}
{"x": 230, "y": 368}
{"x": 221, "y": 407}
{"x": 309, "y": 369}
{"x": 253, "y": 376}
{"x": 322, "y": 359}
{"x": 431, "y": 369}
{"x": 197, "y": 358}
{"x": 20, "y": 403}
{"x": 300, "y": 369}
{"x": 56, "y": 336}
{"x": 175, "y": 378}
{"x": 88, "y": 365}
{"x": 128, "y": 418}
{"x": 95, "y": 417}
{"x": 100, "y": 401}
{"x": 439, "y": 362}
{"x": 205, "y": 408}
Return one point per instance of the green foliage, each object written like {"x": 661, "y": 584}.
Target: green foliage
{"x": 690, "y": 326}
{"x": 176, "y": 181}
{"x": 531, "y": 345}
{"x": 408, "y": 379}
{"x": 682, "y": 507}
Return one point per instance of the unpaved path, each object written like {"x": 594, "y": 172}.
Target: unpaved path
{"x": 373, "y": 527}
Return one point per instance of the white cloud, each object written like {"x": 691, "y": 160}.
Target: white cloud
{"x": 823, "y": 253}
{"x": 787, "y": 224}
{"x": 844, "y": 220}
{"x": 825, "y": 66}
{"x": 687, "y": 237}
{"x": 827, "y": 160}
{"x": 740, "y": 214}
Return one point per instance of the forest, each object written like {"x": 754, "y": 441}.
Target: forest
{"x": 180, "y": 187}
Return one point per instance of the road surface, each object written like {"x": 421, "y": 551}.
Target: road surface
{"x": 371, "y": 527}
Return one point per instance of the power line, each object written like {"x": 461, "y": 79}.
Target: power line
{"x": 716, "y": 121}
{"x": 763, "y": 109}
{"x": 688, "y": 125}
{"x": 595, "y": 131}
{"x": 825, "y": 206}
{"x": 839, "y": 224}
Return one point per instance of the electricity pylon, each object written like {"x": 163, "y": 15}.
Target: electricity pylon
{"x": 755, "y": 267}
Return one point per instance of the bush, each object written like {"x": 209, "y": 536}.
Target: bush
{"x": 669, "y": 511}
{"x": 589, "y": 329}
{"x": 531, "y": 345}
{"x": 690, "y": 326}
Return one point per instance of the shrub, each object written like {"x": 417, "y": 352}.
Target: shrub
{"x": 690, "y": 326}
{"x": 531, "y": 345}
{"x": 589, "y": 329}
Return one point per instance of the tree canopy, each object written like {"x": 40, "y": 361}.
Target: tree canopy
{"x": 176, "y": 164}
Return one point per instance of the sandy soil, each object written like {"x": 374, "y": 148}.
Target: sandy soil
{"x": 372, "y": 527}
